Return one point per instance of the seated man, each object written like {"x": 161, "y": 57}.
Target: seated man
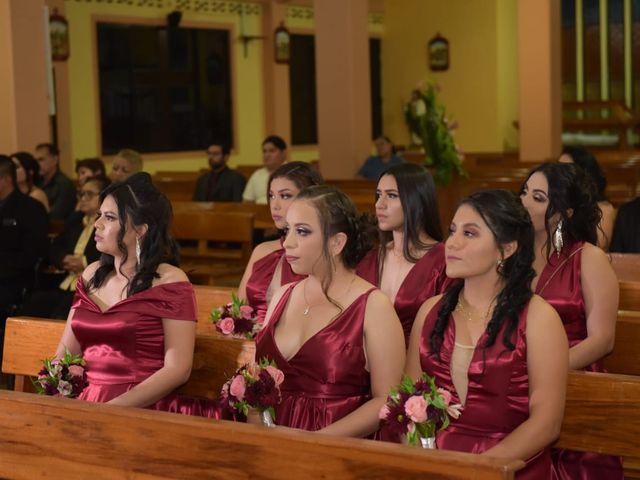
{"x": 221, "y": 184}
{"x": 56, "y": 185}
{"x": 376, "y": 165}
{"x": 626, "y": 230}
{"x": 274, "y": 154}
{"x": 23, "y": 240}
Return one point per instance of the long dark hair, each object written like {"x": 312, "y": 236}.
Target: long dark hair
{"x": 30, "y": 166}
{"x": 509, "y": 221}
{"x": 338, "y": 214}
{"x": 419, "y": 202}
{"x": 139, "y": 201}
{"x": 588, "y": 162}
{"x": 571, "y": 195}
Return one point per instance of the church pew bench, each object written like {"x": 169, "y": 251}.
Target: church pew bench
{"x": 625, "y": 357}
{"x": 601, "y": 414}
{"x": 262, "y": 214}
{"x": 60, "y": 438}
{"x": 626, "y": 266}
{"x": 629, "y": 295}
{"x": 214, "y": 263}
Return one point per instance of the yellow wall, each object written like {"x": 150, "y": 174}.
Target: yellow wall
{"x": 248, "y": 94}
{"x": 480, "y": 87}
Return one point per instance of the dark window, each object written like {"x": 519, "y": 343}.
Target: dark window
{"x": 302, "y": 85}
{"x": 163, "y": 89}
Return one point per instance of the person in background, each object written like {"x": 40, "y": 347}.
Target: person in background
{"x": 409, "y": 263}
{"x": 59, "y": 189}
{"x": 23, "y": 240}
{"x": 386, "y": 157}
{"x": 267, "y": 269}
{"x": 221, "y": 184}
{"x": 626, "y": 231}
{"x": 89, "y": 167}
{"x": 576, "y": 278}
{"x": 70, "y": 252}
{"x": 274, "y": 154}
{"x": 28, "y": 176}
{"x": 335, "y": 336}
{"x": 133, "y": 317}
{"x": 585, "y": 160}
{"x": 497, "y": 348}
{"x": 125, "y": 163}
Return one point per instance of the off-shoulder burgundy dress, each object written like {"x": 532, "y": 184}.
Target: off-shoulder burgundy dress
{"x": 560, "y": 284}
{"x": 497, "y": 399}
{"x": 260, "y": 279}
{"x": 124, "y": 345}
{"x": 326, "y": 379}
{"x": 426, "y": 279}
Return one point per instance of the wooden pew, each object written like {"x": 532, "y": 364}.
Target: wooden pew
{"x": 207, "y": 226}
{"x": 629, "y": 295}
{"x": 626, "y": 266}
{"x": 208, "y": 298}
{"x": 262, "y": 214}
{"x": 625, "y": 357}
{"x": 602, "y": 413}
{"x": 45, "y": 437}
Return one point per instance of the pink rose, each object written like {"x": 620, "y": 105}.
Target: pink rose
{"x": 246, "y": 312}
{"x": 226, "y": 325}
{"x": 446, "y": 395}
{"x": 416, "y": 408}
{"x": 276, "y": 374}
{"x": 384, "y": 412}
{"x": 76, "y": 370}
{"x": 237, "y": 387}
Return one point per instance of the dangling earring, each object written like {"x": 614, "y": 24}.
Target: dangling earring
{"x": 138, "y": 249}
{"x": 558, "y": 243}
{"x": 500, "y": 267}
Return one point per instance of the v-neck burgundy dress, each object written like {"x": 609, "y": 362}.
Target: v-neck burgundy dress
{"x": 426, "y": 279}
{"x": 326, "y": 379}
{"x": 124, "y": 345}
{"x": 260, "y": 279}
{"x": 497, "y": 396}
{"x": 560, "y": 284}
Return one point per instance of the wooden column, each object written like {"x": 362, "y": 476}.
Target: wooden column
{"x": 540, "y": 79}
{"x": 343, "y": 86}
{"x": 23, "y": 76}
{"x": 276, "y": 75}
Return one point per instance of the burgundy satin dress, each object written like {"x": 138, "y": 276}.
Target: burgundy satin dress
{"x": 124, "y": 345}
{"x": 560, "y": 285}
{"x": 326, "y": 379}
{"x": 497, "y": 397}
{"x": 260, "y": 279}
{"x": 426, "y": 279}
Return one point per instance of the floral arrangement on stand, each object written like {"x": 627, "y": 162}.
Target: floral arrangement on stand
{"x": 64, "y": 377}
{"x": 417, "y": 410}
{"x": 433, "y": 132}
{"x": 237, "y": 319}
{"x": 256, "y": 387}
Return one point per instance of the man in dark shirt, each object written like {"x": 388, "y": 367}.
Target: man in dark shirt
{"x": 221, "y": 184}
{"x": 626, "y": 231}
{"x": 56, "y": 185}
{"x": 23, "y": 239}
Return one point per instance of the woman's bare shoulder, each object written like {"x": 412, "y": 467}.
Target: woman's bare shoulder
{"x": 169, "y": 274}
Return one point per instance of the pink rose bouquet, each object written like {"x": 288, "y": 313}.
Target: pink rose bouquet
{"x": 254, "y": 386}
{"x": 416, "y": 410}
{"x": 236, "y": 319}
{"x": 61, "y": 377}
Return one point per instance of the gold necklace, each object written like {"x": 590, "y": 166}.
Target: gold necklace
{"x": 468, "y": 315}
{"x": 308, "y": 307}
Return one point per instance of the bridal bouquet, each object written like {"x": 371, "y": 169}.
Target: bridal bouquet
{"x": 236, "y": 319}
{"x": 255, "y": 386}
{"x": 416, "y": 410}
{"x": 63, "y": 377}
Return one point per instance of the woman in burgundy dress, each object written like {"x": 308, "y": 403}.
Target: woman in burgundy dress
{"x": 500, "y": 350}
{"x": 267, "y": 271}
{"x": 335, "y": 336}
{"x": 409, "y": 264}
{"x": 133, "y": 317}
{"x": 576, "y": 278}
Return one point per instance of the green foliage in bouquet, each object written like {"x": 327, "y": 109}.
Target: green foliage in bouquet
{"x": 435, "y": 133}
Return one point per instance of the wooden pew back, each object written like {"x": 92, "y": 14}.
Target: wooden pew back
{"x": 626, "y": 266}
{"x": 629, "y": 295}
{"x": 53, "y": 437}
{"x": 625, "y": 357}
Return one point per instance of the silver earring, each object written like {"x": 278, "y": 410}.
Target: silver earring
{"x": 558, "y": 243}
{"x": 138, "y": 249}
